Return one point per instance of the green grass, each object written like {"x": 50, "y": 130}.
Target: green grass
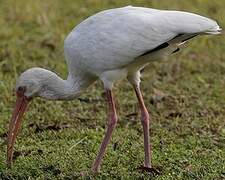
{"x": 58, "y": 140}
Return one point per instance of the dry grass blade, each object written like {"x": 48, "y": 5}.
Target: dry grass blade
{"x": 77, "y": 143}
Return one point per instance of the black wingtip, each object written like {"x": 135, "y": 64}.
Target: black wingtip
{"x": 162, "y": 46}
{"x": 178, "y": 49}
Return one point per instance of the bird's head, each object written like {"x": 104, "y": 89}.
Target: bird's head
{"x": 31, "y": 83}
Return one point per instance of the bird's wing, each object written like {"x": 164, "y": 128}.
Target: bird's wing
{"x": 114, "y": 38}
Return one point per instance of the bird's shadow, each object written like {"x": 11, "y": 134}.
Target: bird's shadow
{"x": 153, "y": 171}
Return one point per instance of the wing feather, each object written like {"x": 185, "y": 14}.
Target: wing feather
{"x": 114, "y": 38}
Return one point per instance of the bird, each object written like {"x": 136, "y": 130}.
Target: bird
{"x": 109, "y": 46}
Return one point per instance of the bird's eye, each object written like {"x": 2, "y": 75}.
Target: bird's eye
{"x": 21, "y": 89}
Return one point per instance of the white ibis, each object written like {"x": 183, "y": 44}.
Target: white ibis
{"x": 110, "y": 45}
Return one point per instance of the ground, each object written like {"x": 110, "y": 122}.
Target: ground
{"x": 58, "y": 140}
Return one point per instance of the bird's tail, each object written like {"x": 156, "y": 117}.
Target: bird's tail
{"x": 215, "y": 30}
{"x": 190, "y": 23}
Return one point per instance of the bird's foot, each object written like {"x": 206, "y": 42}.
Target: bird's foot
{"x": 95, "y": 168}
{"x": 91, "y": 172}
{"x": 150, "y": 170}
{"x": 83, "y": 173}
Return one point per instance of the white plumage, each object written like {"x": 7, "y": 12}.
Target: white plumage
{"x": 115, "y": 38}
{"x": 111, "y": 45}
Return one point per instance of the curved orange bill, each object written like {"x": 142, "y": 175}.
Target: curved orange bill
{"x": 15, "y": 122}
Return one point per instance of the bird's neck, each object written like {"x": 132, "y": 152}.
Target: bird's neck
{"x": 58, "y": 89}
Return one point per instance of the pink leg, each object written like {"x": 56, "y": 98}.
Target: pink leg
{"x": 145, "y": 123}
{"x": 111, "y": 125}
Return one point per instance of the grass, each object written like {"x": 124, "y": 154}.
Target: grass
{"x": 58, "y": 140}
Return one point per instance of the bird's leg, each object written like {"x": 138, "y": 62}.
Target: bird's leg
{"x": 112, "y": 120}
{"x": 145, "y": 123}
